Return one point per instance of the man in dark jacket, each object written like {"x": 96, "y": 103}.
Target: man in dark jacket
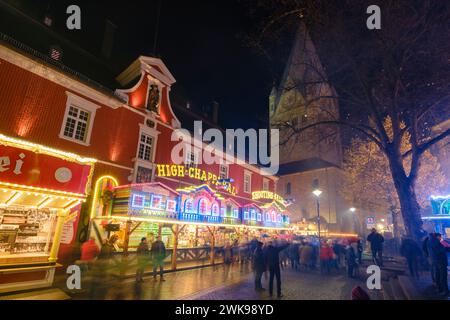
{"x": 426, "y": 251}
{"x": 259, "y": 265}
{"x": 376, "y": 245}
{"x": 158, "y": 256}
{"x": 273, "y": 262}
{"x": 438, "y": 255}
{"x": 411, "y": 251}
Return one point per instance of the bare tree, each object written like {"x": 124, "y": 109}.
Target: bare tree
{"x": 401, "y": 71}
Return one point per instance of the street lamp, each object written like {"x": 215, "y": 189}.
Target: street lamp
{"x": 317, "y": 192}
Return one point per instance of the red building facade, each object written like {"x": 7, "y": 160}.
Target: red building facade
{"x": 128, "y": 132}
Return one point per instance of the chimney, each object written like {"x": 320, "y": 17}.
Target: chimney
{"x": 215, "y": 112}
{"x": 108, "y": 38}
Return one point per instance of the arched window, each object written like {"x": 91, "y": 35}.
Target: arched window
{"x": 268, "y": 217}
{"x": 279, "y": 218}
{"x": 288, "y": 188}
{"x": 273, "y": 217}
{"x": 253, "y": 214}
{"x": 215, "y": 210}
{"x": 202, "y": 206}
{"x": 188, "y": 206}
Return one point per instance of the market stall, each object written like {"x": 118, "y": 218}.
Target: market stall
{"x": 40, "y": 188}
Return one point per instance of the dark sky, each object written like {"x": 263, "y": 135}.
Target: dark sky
{"x": 200, "y": 41}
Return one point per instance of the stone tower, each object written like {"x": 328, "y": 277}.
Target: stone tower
{"x": 304, "y": 97}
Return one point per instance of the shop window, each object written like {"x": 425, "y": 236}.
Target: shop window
{"x": 222, "y": 212}
{"x": 236, "y": 213}
{"x": 279, "y": 218}
{"x": 253, "y": 214}
{"x": 246, "y": 215}
{"x": 171, "y": 205}
{"x": 156, "y": 202}
{"x": 268, "y": 217}
{"x": 202, "y": 207}
{"x": 78, "y": 119}
{"x": 247, "y": 182}
{"x": 215, "y": 210}
{"x": 259, "y": 217}
{"x": 223, "y": 172}
{"x": 137, "y": 201}
{"x": 189, "y": 206}
{"x": 273, "y": 217}
{"x": 26, "y": 231}
{"x": 145, "y": 151}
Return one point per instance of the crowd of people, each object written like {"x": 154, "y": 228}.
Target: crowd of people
{"x": 271, "y": 256}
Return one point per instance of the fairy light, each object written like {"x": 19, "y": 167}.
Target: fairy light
{"x": 16, "y": 196}
{"x": 96, "y": 190}
{"x": 46, "y": 150}
{"x": 19, "y": 187}
{"x": 194, "y": 223}
{"x": 44, "y": 203}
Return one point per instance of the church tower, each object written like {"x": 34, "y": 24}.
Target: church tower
{"x": 304, "y": 97}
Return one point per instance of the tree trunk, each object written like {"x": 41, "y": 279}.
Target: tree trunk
{"x": 410, "y": 208}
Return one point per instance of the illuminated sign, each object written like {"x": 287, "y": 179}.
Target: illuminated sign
{"x": 268, "y": 195}
{"x": 180, "y": 171}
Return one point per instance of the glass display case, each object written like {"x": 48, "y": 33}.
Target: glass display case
{"x": 26, "y": 231}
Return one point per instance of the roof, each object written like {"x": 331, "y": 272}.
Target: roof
{"x": 304, "y": 165}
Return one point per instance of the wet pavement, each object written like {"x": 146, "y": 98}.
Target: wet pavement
{"x": 221, "y": 283}
{"x": 296, "y": 285}
{"x": 178, "y": 285}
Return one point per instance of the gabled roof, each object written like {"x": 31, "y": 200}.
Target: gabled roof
{"x": 153, "y": 66}
{"x": 304, "y": 165}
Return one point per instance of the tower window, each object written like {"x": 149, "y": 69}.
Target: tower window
{"x": 288, "y": 188}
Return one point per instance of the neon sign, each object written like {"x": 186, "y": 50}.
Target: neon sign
{"x": 268, "y": 195}
{"x": 180, "y": 171}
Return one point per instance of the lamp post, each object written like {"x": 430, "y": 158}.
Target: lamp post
{"x": 317, "y": 192}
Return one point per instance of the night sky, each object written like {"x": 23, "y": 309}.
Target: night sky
{"x": 201, "y": 42}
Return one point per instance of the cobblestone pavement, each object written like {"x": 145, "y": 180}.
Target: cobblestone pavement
{"x": 177, "y": 284}
{"x": 295, "y": 285}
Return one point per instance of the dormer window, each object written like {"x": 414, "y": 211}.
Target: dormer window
{"x": 153, "y": 98}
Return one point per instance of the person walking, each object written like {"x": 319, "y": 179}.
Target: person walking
{"x": 158, "y": 255}
{"x": 438, "y": 253}
{"x": 273, "y": 262}
{"x": 350, "y": 257}
{"x": 306, "y": 253}
{"x": 376, "y": 245}
{"x": 142, "y": 253}
{"x": 101, "y": 269}
{"x": 294, "y": 256}
{"x": 259, "y": 265}
{"x": 411, "y": 251}
{"x": 89, "y": 252}
{"x": 326, "y": 257}
{"x": 426, "y": 251}
{"x": 360, "y": 250}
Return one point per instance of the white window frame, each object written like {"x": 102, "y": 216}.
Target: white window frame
{"x": 249, "y": 175}
{"x": 266, "y": 184}
{"x": 187, "y": 159}
{"x": 85, "y": 105}
{"x": 144, "y": 163}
